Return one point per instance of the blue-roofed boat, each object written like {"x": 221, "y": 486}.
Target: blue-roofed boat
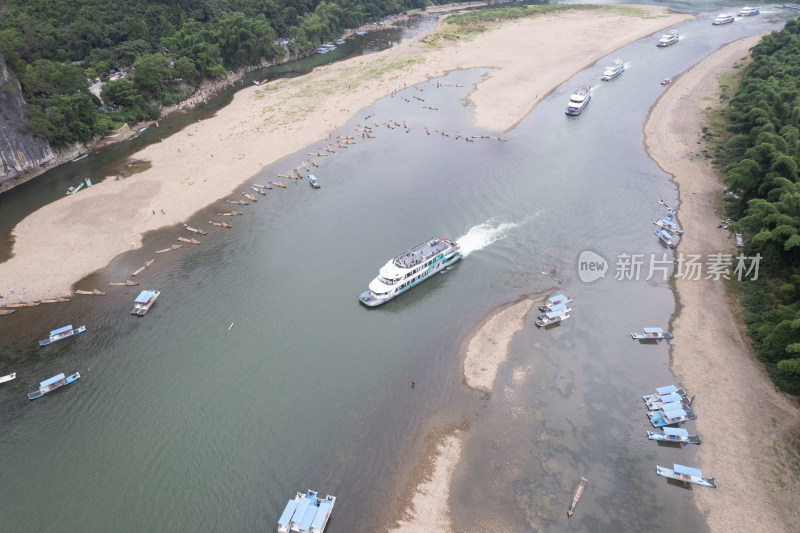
{"x": 553, "y": 301}
{"x": 671, "y": 413}
{"x": 666, "y": 237}
{"x": 651, "y": 334}
{"x": 411, "y": 268}
{"x": 663, "y": 391}
{"x": 678, "y": 435}
{"x": 144, "y": 301}
{"x": 558, "y": 308}
{"x": 579, "y": 100}
{"x": 49, "y": 385}
{"x": 687, "y": 474}
{"x": 88, "y": 182}
{"x": 306, "y": 513}
{"x": 553, "y": 317}
{"x": 668, "y": 224}
{"x": 749, "y": 11}
{"x": 61, "y": 334}
{"x": 655, "y": 404}
{"x": 312, "y": 179}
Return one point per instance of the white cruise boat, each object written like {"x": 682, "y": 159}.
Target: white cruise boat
{"x": 748, "y": 11}
{"x": 613, "y": 70}
{"x": 671, "y": 37}
{"x": 724, "y": 18}
{"x": 579, "y": 100}
{"x": 412, "y": 267}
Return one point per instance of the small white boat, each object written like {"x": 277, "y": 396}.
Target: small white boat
{"x": 144, "y": 301}
{"x": 748, "y": 11}
{"x": 9, "y": 377}
{"x": 666, "y": 81}
{"x": 579, "y": 100}
{"x": 671, "y": 37}
{"x": 613, "y": 70}
{"x": 724, "y": 18}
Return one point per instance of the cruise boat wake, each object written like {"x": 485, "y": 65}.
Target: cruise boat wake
{"x": 482, "y": 235}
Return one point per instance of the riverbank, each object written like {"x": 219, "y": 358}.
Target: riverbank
{"x": 747, "y": 426}
{"x": 212, "y": 158}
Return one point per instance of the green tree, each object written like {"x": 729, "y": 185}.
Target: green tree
{"x": 149, "y": 73}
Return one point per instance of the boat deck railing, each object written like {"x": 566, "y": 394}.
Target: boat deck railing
{"x": 421, "y": 253}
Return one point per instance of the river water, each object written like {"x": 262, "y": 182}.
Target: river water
{"x": 257, "y": 373}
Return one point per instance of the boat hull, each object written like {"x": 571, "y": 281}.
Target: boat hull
{"x": 51, "y": 340}
{"x": 370, "y": 301}
{"x": 690, "y": 439}
{"x": 41, "y": 392}
{"x": 704, "y": 481}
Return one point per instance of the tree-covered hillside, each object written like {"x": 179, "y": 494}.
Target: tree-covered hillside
{"x": 166, "y": 46}
{"x": 765, "y": 152}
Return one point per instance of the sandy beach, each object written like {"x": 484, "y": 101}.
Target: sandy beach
{"x": 748, "y": 427}
{"x": 68, "y": 239}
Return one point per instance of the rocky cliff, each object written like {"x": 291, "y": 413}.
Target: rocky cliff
{"x": 20, "y": 153}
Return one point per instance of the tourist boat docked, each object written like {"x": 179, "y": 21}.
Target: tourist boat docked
{"x": 724, "y": 18}
{"x": 671, "y": 37}
{"x": 553, "y": 301}
{"x": 410, "y": 268}
{"x": 662, "y": 392}
{"x": 665, "y": 237}
{"x": 553, "y": 317}
{"x": 9, "y": 377}
{"x": 306, "y": 513}
{"x": 748, "y": 11}
{"x": 312, "y": 179}
{"x": 687, "y": 474}
{"x": 668, "y": 224}
{"x": 656, "y": 402}
{"x": 678, "y": 435}
{"x": 144, "y": 301}
{"x": 652, "y": 334}
{"x": 61, "y": 333}
{"x": 671, "y": 413}
{"x": 558, "y": 308}
{"x": 579, "y": 100}
{"x": 612, "y": 71}
{"x": 49, "y": 385}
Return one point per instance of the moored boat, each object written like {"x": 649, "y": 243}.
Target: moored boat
{"x": 687, "y": 474}
{"x": 666, "y": 81}
{"x": 668, "y": 224}
{"x": 748, "y": 11}
{"x": 652, "y": 334}
{"x": 671, "y": 37}
{"x": 666, "y": 237}
{"x": 659, "y": 401}
{"x": 671, "y": 413}
{"x": 49, "y": 385}
{"x": 678, "y": 435}
{"x": 723, "y": 18}
{"x": 61, "y": 334}
{"x": 410, "y": 268}
{"x": 558, "y": 308}
{"x": 553, "y": 301}
{"x": 663, "y": 391}
{"x": 579, "y": 100}
{"x": 8, "y": 377}
{"x": 312, "y": 179}
{"x": 144, "y": 301}
{"x": 612, "y": 71}
{"x": 306, "y": 513}
{"x": 553, "y": 317}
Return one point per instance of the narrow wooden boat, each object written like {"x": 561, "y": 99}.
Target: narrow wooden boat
{"x": 93, "y": 292}
{"x": 195, "y": 230}
{"x": 249, "y": 197}
{"x": 49, "y": 385}
{"x": 237, "y": 202}
{"x": 9, "y": 377}
{"x": 678, "y": 435}
{"x": 49, "y": 301}
{"x": 220, "y": 224}
{"x": 259, "y": 191}
{"x": 577, "y": 496}
{"x": 259, "y": 185}
{"x": 285, "y": 175}
{"x": 6, "y": 311}
{"x": 190, "y": 241}
{"x": 147, "y": 264}
{"x": 313, "y": 162}
{"x": 305, "y": 166}
{"x": 129, "y": 283}
{"x": 279, "y": 184}
{"x": 296, "y": 172}
{"x": 61, "y": 334}
{"x": 651, "y": 334}
{"x": 230, "y": 214}
{"x": 686, "y": 474}
{"x": 15, "y": 305}
{"x": 30, "y": 304}
{"x": 173, "y": 247}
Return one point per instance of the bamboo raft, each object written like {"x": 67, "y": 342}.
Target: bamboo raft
{"x": 230, "y": 214}
{"x": 305, "y": 166}
{"x": 128, "y": 283}
{"x": 278, "y": 184}
{"x": 285, "y": 176}
{"x": 201, "y": 232}
{"x": 6, "y": 311}
{"x": 237, "y": 202}
{"x": 15, "y": 305}
{"x": 313, "y": 162}
{"x": 94, "y": 292}
{"x": 147, "y": 264}
{"x": 327, "y": 150}
{"x": 59, "y": 300}
{"x": 577, "y": 496}
{"x": 173, "y": 247}
{"x": 299, "y": 176}
{"x": 259, "y": 191}
{"x": 220, "y": 224}
{"x": 190, "y": 241}
{"x": 249, "y": 197}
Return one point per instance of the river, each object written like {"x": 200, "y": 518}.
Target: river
{"x": 257, "y": 373}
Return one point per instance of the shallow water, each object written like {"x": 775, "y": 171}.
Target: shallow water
{"x": 184, "y": 423}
